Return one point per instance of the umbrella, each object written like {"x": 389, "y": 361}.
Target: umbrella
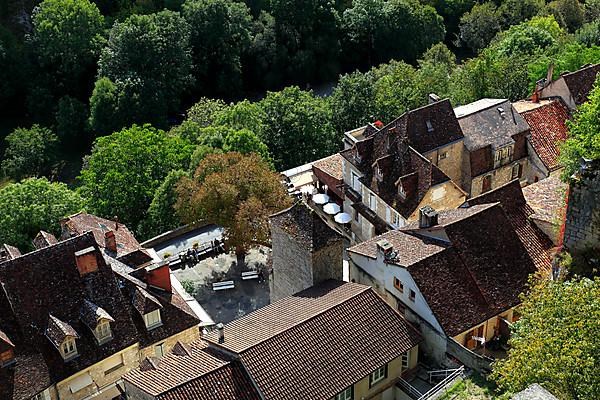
{"x": 320, "y": 198}
{"x": 331, "y": 208}
{"x": 343, "y": 218}
{"x": 308, "y": 189}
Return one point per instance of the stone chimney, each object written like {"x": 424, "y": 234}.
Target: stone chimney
{"x": 582, "y": 224}
{"x": 221, "y": 330}
{"x": 428, "y": 217}
{"x": 110, "y": 241}
{"x": 44, "y": 239}
{"x": 306, "y": 251}
{"x": 433, "y": 98}
{"x": 159, "y": 276}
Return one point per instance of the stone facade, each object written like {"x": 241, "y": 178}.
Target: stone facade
{"x": 305, "y": 251}
{"x": 450, "y": 159}
{"x": 582, "y": 228}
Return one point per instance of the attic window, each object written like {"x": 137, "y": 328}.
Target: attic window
{"x": 7, "y": 357}
{"x": 68, "y": 348}
{"x": 429, "y": 126}
{"x": 152, "y": 319}
{"x": 378, "y": 173}
{"x": 401, "y": 192}
{"x": 103, "y": 332}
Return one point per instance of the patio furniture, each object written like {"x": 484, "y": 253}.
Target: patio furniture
{"x": 223, "y": 285}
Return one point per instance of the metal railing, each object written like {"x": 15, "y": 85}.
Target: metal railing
{"x": 443, "y": 384}
{"x": 440, "y": 373}
{"x": 410, "y": 389}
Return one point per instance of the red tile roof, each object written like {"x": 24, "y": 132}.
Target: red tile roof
{"x": 331, "y": 165}
{"x": 547, "y": 198}
{"x": 548, "y": 131}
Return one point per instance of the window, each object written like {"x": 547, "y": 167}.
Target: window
{"x": 103, "y": 332}
{"x": 159, "y": 350}
{"x": 429, "y": 126}
{"x": 517, "y": 171}
{"x": 113, "y": 364}
{"x": 401, "y": 192}
{"x": 45, "y": 395}
{"x": 355, "y": 182}
{"x": 372, "y": 202}
{"x": 395, "y": 219}
{"x": 68, "y": 348}
{"x": 443, "y": 155}
{"x": 412, "y": 295}
{"x": 378, "y": 375}
{"x": 356, "y": 216}
{"x": 7, "y": 357}
{"x": 398, "y": 285}
{"x": 400, "y": 307}
{"x": 152, "y": 319}
{"x": 405, "y": 358}
{"x": 346, "y": 394}
{"x": 378, "y": 173}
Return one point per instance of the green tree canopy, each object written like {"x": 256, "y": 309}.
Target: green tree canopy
{"x": 236, "y": 191}
{"x": 220, "y": 34}
{"x": 297, "y": 127}
{"x": 33, "y": 205}
{"x": 569, "y": 13}
{"x": 205, "y": 110}
{"x": 148, "y": 59}
{"x": 480, "y": 25}
{"x": 71, "y": 123}
{"x": 555, "y": 342}
{"x": 124, "y": 170}
{"x": 352, "y": 100}
{"x": 161, "y": 215}
{"x": 584, "y": 133}
{"x": 29, "y": 152}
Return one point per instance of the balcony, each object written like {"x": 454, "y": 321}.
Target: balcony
{"x": 353, "y": 195}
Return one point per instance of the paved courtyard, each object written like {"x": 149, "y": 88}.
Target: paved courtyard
{"x": 227, "y": 305}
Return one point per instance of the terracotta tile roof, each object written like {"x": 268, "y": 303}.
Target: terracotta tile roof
{"x": 510, "y": 196}
{"x": 469, "y": 268}
{"x": 319, "y": 341}
{"x": 548, "y": 131}
{"x": 331, "y": 165}
{"x": 580, "y": 82}
{"x": 306, "y": 225}
{"x": 547, "y": 198}
{"x": 126, "y": 241}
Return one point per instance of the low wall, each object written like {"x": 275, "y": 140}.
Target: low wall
{"x": 469, "y": 358}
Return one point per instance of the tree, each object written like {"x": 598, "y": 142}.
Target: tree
{"x": 361, "y": 24}
{"x": 513, "y": 12}
{"x": 297, "y": 127}
{"x": 584, "y": 134}
{"x": 29, "y": 152}
{"x": 124, "y": 170}
{"x": 352, "y": 100}
{"x": 479, "y": 26}
{"x": 451, "y": 11}
{"x": 104, "y": 114}
{"x": 11, "y": 62}
{"x": 306, "y": 33}
{"x": 589, "y": 34}
{"x": 220, "y": 33}
{"x": 568, "y": 12}
{"x": 241, "y": 115}
{"x": 205, "y": 110}
{"x": 555, "y": 342}
{"x": 71, "y": 123}
{"x": 433, "y": 74}
{"x": 592, "y": 10}
{"x": 161, "y": 215}
{"x": 33, "y": 205}
{"x": 395, "y": 91}
{"x": 148, "y": 59}
{"x": 237, "y": 192}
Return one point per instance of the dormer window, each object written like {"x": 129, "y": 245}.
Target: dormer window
{"x": 378, "y": 173}
{"x": 401, "y": 192}
{"x": 103, "y": 332}
{"x": 152, "y": 319}
{"x": 7, "y": 357}
{"x": 68, "y": 348}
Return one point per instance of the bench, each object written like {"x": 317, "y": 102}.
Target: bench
{"x": 223, "y": 285}
{"x": 249, "y": 275}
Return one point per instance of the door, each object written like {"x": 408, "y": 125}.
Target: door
{"x": 486, "y": 185}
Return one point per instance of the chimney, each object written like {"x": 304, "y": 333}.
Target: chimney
{"x": 428, "y": 217}
{"x": 159, "y": 276}
{"x": 116, "y": 223}
{"x": 86, "y": 261}
{"x": 433, "y": 98}
{"x": 44, "y": 239}
{"x": 549, "y": 74}
{"x": 385, "y": 248}
{"x": 110, "y": 241}
{"x": 221, "y": 332}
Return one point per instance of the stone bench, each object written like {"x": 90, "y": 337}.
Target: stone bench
{"x": 249, "y": 275}
{"x": 223, "y": 285}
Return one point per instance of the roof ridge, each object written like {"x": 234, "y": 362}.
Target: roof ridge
{"x": 331, "y": 307}
{"x": 53, "y": 246}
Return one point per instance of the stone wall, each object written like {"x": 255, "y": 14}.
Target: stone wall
{"x": 582, "y": 227}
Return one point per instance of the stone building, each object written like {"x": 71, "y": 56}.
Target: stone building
{"x": 73, "y": 320}
{"x": 572, "y": 87}
{"x": 306, "y": 251}
{"x": 582, "y": 225}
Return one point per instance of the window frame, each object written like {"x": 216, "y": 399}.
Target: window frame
{"x": 400, "y": 286}
{"x": 103, "y": 335}
{"x": 153, "y": 324}
{"x": 412, "y": 295}
{"x": 405, "y": 360}
{"x": 343, "y": 395}
{"x": 377, "y": 376}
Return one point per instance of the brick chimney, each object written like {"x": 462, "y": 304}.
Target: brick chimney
{"x": 110, "y": 241}
{"x": 221, "y": 332}
{"x": 86, "y": 261}
{"x": 428, "y": 217}
{"x": 159, "y": 276}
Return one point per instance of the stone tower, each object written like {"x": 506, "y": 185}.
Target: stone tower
{"x": 306, "y": 251}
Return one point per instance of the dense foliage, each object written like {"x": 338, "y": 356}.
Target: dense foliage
{"x": 33, "y": 205}
{"x": 29, "y": 152}
{"x": 555, "y": 342}
{"x": 235, "y": 191}
{"x": 121, "y": 175}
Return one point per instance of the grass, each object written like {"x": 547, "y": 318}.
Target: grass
{"x": 474, "y": 387}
